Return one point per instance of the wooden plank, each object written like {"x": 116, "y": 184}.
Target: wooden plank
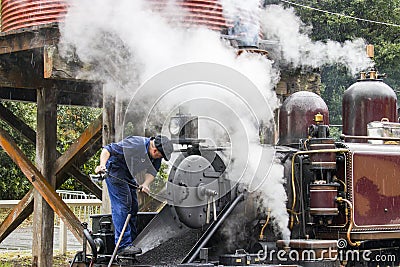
{"x": 38, "y": 181}
{"x": 79, "y": 146}
{"x": 72, "y": 202}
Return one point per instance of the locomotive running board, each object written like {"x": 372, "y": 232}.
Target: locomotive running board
{"x": 160, "y": 229}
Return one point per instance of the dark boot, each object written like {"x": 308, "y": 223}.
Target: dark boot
{"x": 129, "y": 250}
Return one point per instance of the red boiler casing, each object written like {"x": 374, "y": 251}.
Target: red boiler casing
{"x": 365, "y": 101}
{"x": 297, "y": 114}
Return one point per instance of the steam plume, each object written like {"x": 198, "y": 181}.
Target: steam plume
{"x": 296, "y": 48}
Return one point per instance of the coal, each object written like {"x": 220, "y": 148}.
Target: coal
{"x": 172, "y": 251}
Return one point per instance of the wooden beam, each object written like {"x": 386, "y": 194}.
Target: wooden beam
{"x": 79, "y": 146}
{"x": 19, "y": 79}
{"x": 90, "y": 98}
{"x": 17, "y": 215}
{"x": 27, "y": 39}
{"x": 17, "y": 94}
{"x": 40, "y": 184}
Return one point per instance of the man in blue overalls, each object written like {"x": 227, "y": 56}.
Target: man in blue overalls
{"x": 122, "y": 161}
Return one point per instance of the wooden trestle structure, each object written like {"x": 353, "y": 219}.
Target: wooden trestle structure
{"x": 31, "y": 70}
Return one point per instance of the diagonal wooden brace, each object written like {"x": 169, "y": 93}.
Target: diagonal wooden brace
{"x": 40, "y": 184}
{"x": 79, "y": 146}
{"x": 17, "y": 215}
{"x": 25, "y": 206}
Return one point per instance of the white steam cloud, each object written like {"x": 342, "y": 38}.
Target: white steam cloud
{"x": 245, "y": 17}
{"x": 126, "y": 43}
{"x": 298, "y": 49}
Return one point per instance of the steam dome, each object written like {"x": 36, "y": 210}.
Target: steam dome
{"x": 297, "y": 113}
{"x": 365, "y": 101}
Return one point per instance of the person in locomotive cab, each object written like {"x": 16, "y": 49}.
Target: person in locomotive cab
{"x": 122, "y": 161}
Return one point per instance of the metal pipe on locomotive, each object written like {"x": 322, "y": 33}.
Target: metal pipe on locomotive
{"x": 343, "y": 197}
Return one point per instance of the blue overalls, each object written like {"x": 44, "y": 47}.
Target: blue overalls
{"x": 127, "y": 158}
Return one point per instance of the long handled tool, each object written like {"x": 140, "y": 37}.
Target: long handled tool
{"x": 104, "y": 175}
{"x": 119, "y": 239}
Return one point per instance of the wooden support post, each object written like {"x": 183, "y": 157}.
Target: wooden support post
{"x": 63, "y": 238}
{"x": 46, "y": 154}
{"x": 121, "y": 103}
{"x": 108, "y": 137}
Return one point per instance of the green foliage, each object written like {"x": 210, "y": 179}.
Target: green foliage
{"x": 335, "y": 80}
{"x": 71, "y": 122}
{"x": 335, "y": 132}
{"x": 13, "y": 183}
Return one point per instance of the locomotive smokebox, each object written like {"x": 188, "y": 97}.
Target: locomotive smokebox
{"x": 297, "y": 113}
{"x": 367, "y": 100}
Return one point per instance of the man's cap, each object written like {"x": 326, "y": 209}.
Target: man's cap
{"x": 164, "y": 145}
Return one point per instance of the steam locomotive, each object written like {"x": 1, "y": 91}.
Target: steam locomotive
{"x": 343, "y": 198}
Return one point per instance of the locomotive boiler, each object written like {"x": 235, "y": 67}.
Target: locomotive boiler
{"x": 343, "y": 197}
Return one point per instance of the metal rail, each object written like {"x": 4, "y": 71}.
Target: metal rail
{"x": 346, "y": 137}
{"x": 212, "y": 229}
